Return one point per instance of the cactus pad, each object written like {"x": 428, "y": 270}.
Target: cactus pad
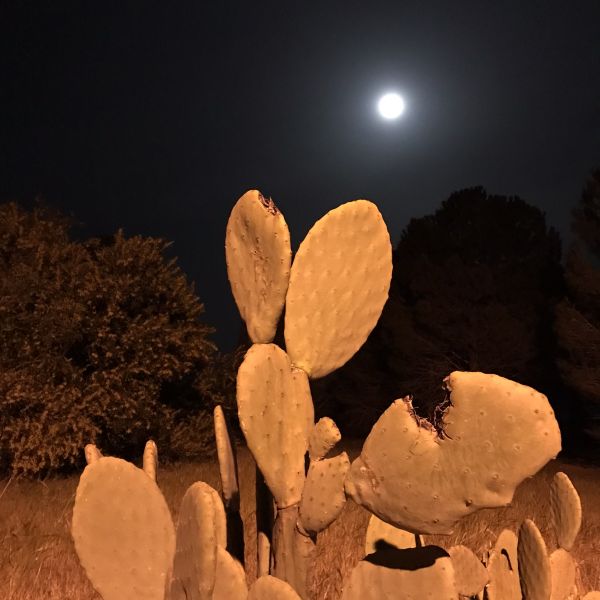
{"x": 496, "y": 433}
{"x": 323, "y": 497}
{"x": 123, "y": 531}
{"x": 227, "y": 466}
{"x": 230, "y": 579}
{"x": 379, "y": 531}
{"x": 339, "y": 284}
{"x": 258, "y": 254}
{"x": 268, "y": 587}
{"x": 150, "y": 459}
{"x": 566, "y": 510}
{"x": 323, "y": 437}
{"x": 534, "y": 564}
{"x": 417, "y": 573}
{"x": 201, "y": 529}
{"x": 563, "y": 571}
{"x": 503, "y": 569}
{"x": 275, "y": 408}
{"x": 92, "y": 454}
{"x": 470, "y": 576}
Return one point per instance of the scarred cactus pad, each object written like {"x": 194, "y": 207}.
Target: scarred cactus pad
{"x": 497, "y": 433}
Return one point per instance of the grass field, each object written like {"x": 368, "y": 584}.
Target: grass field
{"x": 38, "y": 561}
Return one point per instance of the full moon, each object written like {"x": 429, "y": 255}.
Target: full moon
{"x": 390, "y": 106}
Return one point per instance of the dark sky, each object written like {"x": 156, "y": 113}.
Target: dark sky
{"x": 156, "y": 117}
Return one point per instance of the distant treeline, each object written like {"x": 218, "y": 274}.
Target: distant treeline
{"x": 105, "y": 340}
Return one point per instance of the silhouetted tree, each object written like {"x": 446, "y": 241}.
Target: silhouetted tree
{"x": 99, "y": 341}
{"x": 473, "y": 289}
{"x": 578, "y": 315}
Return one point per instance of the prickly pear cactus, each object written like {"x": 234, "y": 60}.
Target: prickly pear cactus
{"x": 470, "y": 576}
{"x": 496, "y": 433}
{"x": 566, "y": 510}
{"x": 201, "y": 530}
{"x": 339, "y": 283}
{"x": 258, "y": 255}
{"x": 123, "y": 531}
{"x": 534, "y": 564}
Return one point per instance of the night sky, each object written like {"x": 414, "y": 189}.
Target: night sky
{"x": 157, "y": 117}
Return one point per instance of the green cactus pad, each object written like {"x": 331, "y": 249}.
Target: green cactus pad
{"x": 275, "y": 409}
{"x": 470, "y": 576}
{"x": 150, "y": 459}
{"x": 201, "y": 529}
{"x": 534, "y": 564}
{"x": 566, "y": 510}
{"x": 323, "y": 497}
{"x": 563, "y": 572}
{"x": 227, "y": 464}
{"x": 323, "y": 437}
{"x": 230, "y": 579}
{"x": 379, "y": 532}
{"x": 268, "y": 587}
{"x": 496, "y": 433}
{"x": 417, "y": 573}
{"x": 339, "y": 284}
{"x": 123, "y": 532}
{"x": 258, "y": 255}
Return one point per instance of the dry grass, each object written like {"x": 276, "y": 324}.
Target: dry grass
{"x": 38, "y": 561}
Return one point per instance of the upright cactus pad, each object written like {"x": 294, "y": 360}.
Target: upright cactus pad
{"x": 258, "y": 254}
{"x": 274, "y": 409}
{"x": 227, "y": 465}
{"x": 201, "y": 529}
{"x": 92, "y": 454}
{"x": 566, "y": 510}
{"x": 150, "y": 459}
{"x": 534, "y": 564}
{"x": 339, "y": 284}
{"x": 413, "y": 574}
{"x": 563, "y": 572}
{"x": 230, "y": 578}
{"x": 496, "y": 434}
{"x": 503, "y": 568}
{"x": 123, "y": 531}
{"x": 470, "y": 576}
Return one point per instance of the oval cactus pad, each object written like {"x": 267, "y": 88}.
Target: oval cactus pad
{"x": 201, "y": 530}
{"x": 339, "y": 284}
{"x": 258, "y": 255}
{"x": 495, "y": 434}
{"x": 123, "y": 531}
{"x": 275, "y": 408}
{"x": 565, "y": 505}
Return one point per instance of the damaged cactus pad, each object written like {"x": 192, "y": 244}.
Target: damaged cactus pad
{"x": 496, "y": 433}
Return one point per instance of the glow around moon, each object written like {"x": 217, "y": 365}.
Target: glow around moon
{"x": 390, "y": 106}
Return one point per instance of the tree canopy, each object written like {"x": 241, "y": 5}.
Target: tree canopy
{"x": 99, "y": 341}
{"x": 578, "y": 315}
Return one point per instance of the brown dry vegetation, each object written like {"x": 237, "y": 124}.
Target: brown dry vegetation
{"x": 37, "y": 557}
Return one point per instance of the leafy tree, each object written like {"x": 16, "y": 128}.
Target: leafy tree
{"x": 472, "y": 289}
{"x": 99, "y": 341}
{"x": 578, "y": 315}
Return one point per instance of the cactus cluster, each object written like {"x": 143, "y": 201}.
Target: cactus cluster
{"x": 414, "y": 478}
